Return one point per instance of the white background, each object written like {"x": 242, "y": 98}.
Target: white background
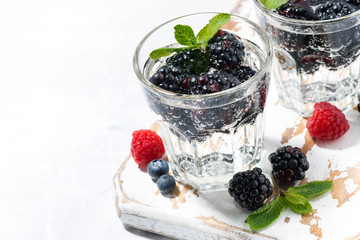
{"x": 69, "y": 101}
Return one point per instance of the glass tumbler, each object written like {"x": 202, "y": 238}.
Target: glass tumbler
{"x": 209, "y": 137}
{"x": 314, "y": 61}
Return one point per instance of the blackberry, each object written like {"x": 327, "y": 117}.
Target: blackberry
{"x": 219, "y": 80}
{"x": 224, "y": 79}
{"x": 358, "y": 107}
{"x": 355, "y": 3}
{"x": 209, "y": 83}
{"x": 188, "y": 61}
{"x": 243, "y": 73}
{"x": 172, "y": 79}
{"x": 225, "y": 51}
{"x": 333, "y": 10}
{"x": 295, "y": 11}
{"x": 250, "y": 188}
{"x": 288, "y": 164}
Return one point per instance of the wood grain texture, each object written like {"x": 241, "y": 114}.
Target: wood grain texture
{"x": 190, "y": 214}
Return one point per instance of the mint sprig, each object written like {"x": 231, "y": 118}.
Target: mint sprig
{"x": 267, "y": 214}
{"x": 298, "y": 203}
{"x": 162, "y": 52}
{"x": 272, "y": 4}
{"x": 211, "y": 29}
{"x": 295, "y": 198}
{"x": 185, "y": 36}
{"x": 312, "y": 189}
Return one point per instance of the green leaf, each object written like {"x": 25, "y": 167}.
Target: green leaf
{"x": 162, "y": 52}
{"x": 267, "y": 214}
{"x": 312, "y": 189}
{"x": 271, "y": 4}
{"x": 211, "y": 28}
{"x": 185, "y": 35}
{"x": 299, "y": 208}
{"x": 295, "y": 198}
{"x": 297, "y": 203}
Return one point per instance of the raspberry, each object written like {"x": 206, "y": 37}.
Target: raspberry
{"x": 288, "y": 164}
{"x": 146, "y": 146}
{"x": 250, "y": 188}
{"x": 327, "y": 122}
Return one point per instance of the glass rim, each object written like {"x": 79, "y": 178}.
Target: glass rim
{"x": 303, "y": 22}
{"x": 155, "y": 89}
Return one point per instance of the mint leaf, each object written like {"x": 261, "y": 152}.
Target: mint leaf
{"x": 312, "y": 189}
{"x": 185, "y": 35}
{"x": 271, "y": 4}
{"x": 162, "y": 52}
{"x": 299, "y": 208}
{"x": 267, "y": 214}
{"x": 297, "y": 203}
{"x": 295, "y": 198}
{"x": 211, "y": 28}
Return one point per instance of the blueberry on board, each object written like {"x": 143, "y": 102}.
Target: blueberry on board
{"x": 157, "y": 167}
{"x": 166, "y": 184}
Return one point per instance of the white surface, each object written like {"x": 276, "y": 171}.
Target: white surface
{"x": 69, "y": 101}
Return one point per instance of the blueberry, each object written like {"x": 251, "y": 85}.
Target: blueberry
{"x": 156, "y": 168}
{"x": 166, "y": 184}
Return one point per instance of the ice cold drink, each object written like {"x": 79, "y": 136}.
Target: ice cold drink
{"x": 208, "y": 139}
{"x": 209, "y": 106}
{"x": 317, "y": 47}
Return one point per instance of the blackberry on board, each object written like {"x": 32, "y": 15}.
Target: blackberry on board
{"x": 250, "y": 188}
{"x": 288, "y": 164}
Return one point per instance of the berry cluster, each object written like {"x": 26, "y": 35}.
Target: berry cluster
{"x": 250, "y": 188}
{"x": 311, "y": 51}
{"x": 303, "y": 10}
{"x": 202, "y": 72}
{"x": 220, "y": 67}
{"x": 333, "y": 10}
{"x": 225, "y": 51}
{"x": 158, "y": 169}
{"x": 288, "y": 164}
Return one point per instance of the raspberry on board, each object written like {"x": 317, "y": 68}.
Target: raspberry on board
{"x": 146, "y": 146}
{"x": 327, "y": 122}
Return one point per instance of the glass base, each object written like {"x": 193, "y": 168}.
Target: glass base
{"x": 299, "y": 91}
{"x": 210, "y": 162}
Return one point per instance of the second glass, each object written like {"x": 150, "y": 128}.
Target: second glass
{"x": 314, "y": 61}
